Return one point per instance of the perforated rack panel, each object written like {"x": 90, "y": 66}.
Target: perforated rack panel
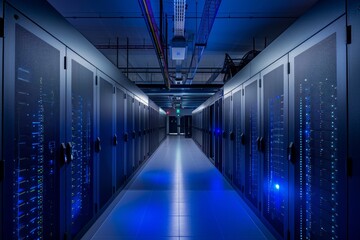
{"x": 276, "y": 164}
{"x": 316, "y": 138}
{"x": 34, "y": 187}
{"x": 82, "y": 130}
{"x": 252, "y": 161}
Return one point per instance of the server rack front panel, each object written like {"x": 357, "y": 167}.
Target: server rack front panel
{"x": 106, "y": 123}
{"x": 136, "y": 133}
{"x": 32, "y": 125}
{"x": 319, "y": 86}
{"x": 252, "y": 137}
{"x": 239, "y": 158}
{"x": 218, "y": 123}
{"x": 275, "y": 134}
{"x": 130, "y": 140}
{"x": 142, "y": 131}
{"x": 227, "y": 147}
{"x": 80, "y": 133}
{"x": 120, "y": 131}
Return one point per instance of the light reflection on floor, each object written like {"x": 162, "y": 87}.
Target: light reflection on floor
{"x": 179, "y": 194}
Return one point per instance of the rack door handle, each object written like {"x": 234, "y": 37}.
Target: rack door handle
{"x": 115, "y": 141}
{"x": 69, "y": 155}
{"x": 97, "y": 145}
{"x": 63, "y": 158}
{"x": 242, "y": 138}
{"x": 262, "y": 144}
{"x": 291, "y": 152}
{"x": 126, "y": 137}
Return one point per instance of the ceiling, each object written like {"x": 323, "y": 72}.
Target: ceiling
{"x": 118, "y": 29}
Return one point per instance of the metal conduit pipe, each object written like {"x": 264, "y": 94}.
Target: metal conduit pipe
{"x": 155, "y": 37}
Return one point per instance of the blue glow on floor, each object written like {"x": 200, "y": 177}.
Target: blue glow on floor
{"x": 179, "y": 194}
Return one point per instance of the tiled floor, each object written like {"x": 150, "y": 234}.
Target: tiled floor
{"x": 179, "y": 194}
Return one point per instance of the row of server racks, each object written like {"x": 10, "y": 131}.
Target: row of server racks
{"x": 280, "y": 139}
{"x": 72, "y": 136}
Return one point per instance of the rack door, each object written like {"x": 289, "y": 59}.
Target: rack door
{"x": 136, "y": 135}
{"x": 318, "y": 87}
{"x": 252, "y": 138}
{"x": 129, "y": 135}
{"x": 104, "y": 142}
{"x": 34, "y": 80}
{"x": 80, "y": 134}
{"x": 218, "y": 134}
{"x": 275, "y": 143}
{"x": 120, "y": 144}
{"x": 239, "y": 156}
{"x": 227, "y": 133}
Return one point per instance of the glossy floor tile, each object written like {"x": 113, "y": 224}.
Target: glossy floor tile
{"x": 179, "y": 194}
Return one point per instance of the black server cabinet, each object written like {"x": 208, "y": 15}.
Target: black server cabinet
{"x": 218, "y": 135}
{"x": 152, "y": 130}
{"x": 182, "y": 125}
{"x": 353, "y": 72}
{"x": 80, "y": 125}
{"x": 142, "y": 132}
{"x": 227, "y": 137}
{"x": 137, "y": 141}
{"x": 318, "y": 90}
{"x": 147, "y": 130}
{"x": 129, "y": 136}
{"x": 252, "y": 141}
{"x": 239, "y": 143}
{"x": 203, "y": 140}
{"x": 206, "y": 130}
{"x": 188, "y": 127}
{"x": 1, "y": 121}
{"x": 118, "y": 139}
{"x": 212, "y": 132}
{"x": 274, "y": 119}
{"x": 104, "y": 142}
{"x": 172, "y": 125}
{"x": 34, "y": 107}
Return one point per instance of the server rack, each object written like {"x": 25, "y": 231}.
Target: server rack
{"x": 142, "y": 131}
{"x": 129, "y": 138}
{"x": 252, "y": 141}
{"x": 188, "y": 126}
{"x": 212, "y": 132}
{"x": 2, "y": 163}
{"x": 203, "y": 123}
{"x": 173, "y": 125}
{"x": 182, "y": 125}
{"x": 204, "y": 130}
{"x": 218, "y": 137}
{"x": 104, "y": 142}
{"x": 274, "y": 128}
{"x": 136, "y": 132}
{"x": 239, "y": 143}
{"x": 62, "y": 124}
{"x": 318, "y": 131}
{"x": 80, "y": 148}
{"x": 34, "y": 106}
{"x": 228, "y": 136}
{"x": 118, "y": 139}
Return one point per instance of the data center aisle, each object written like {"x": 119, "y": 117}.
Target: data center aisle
{"x": 179, "y": 194}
